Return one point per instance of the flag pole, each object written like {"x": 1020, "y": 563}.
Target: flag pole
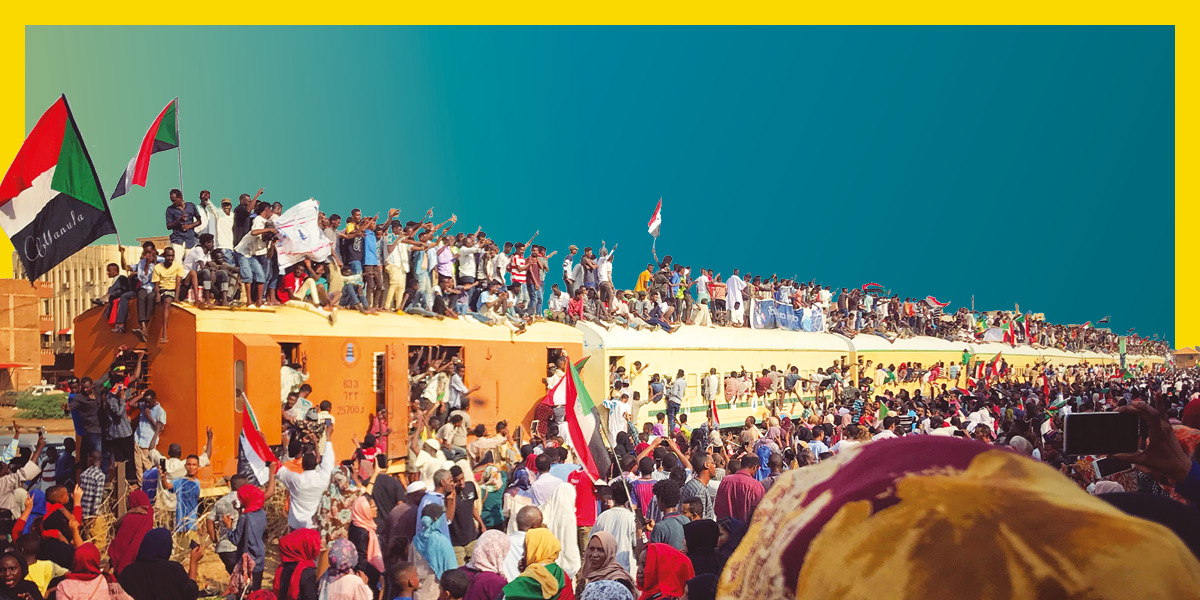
{"x": 178, "y": 150}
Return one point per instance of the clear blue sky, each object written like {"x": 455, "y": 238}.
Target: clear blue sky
{"x": 1021, "y": 164}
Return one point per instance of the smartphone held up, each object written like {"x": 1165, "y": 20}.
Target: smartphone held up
{"x": 1101, "y": 433}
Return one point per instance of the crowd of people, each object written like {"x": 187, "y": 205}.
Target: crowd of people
{"x": 477, "y": 514}
{"x": 227, "y": 255}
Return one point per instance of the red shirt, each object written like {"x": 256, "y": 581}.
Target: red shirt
{"x": 737, "y": 496}
{"x": 585, "y": 499}
{"x": 762, "y": 384}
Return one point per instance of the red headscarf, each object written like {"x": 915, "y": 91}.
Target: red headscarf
{"x": 666, "y": 572}
{"x": 250, "y": 497}
{"x": 134, "y": 525}
{"x": 87, "y": 563}
{"x": 300, "y": 547}
{"x": 1191, "y": 414}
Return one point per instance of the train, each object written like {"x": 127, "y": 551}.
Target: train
{"x": 362, "y": 365}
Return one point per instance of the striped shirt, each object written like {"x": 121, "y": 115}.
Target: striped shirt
{"x": 517, "y": 268}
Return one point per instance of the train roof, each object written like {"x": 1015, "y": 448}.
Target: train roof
{"x": 921, "y": 343}
{"x": 291, "y": 320}
{"x": 689, "y": 337}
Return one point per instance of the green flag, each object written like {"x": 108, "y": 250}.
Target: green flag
{"x": 586, "y": 406}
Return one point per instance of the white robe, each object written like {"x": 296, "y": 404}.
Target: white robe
{"x": 734, "y": 300}
{"x": 559, "y": 516}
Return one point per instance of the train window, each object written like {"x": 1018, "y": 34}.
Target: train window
{"x": 378, "y": 370}
{"x": 693, "y": 379}
{"x": 553, "y": 355}
{"x": 239, "y": 379}
{"x": 290, "y": 351}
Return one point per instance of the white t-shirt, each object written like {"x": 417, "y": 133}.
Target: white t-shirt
{"x": 886, "y": 434}
{"x": 221, "y": 226}
{"x": 501, "y": 264}
{"x": 559, "y": 302}
{"x": 259, "y": 223}
{"x": 604, "y": 267}
{"x": 193, "y": 256}
{"x": 306, "y": 489}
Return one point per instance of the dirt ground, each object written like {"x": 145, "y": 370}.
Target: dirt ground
{"x": 53, "y": 426}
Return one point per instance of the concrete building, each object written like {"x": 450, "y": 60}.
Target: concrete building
{"x": 22, "y": 324}
{"x": 1186, "y": 358}
{"x": 73, "y": 284}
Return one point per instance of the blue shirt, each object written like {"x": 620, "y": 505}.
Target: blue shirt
{"x": 189, "y": 215}
{"x": 818, "y": 448}
{"x": 145, "y": 430}
{"x": 674, "y": 284}
{"x": 370, "y": 249}
{"x": 563, "y": 470}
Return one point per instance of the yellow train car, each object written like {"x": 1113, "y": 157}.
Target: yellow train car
{"x": 698, "y": 349}
{"x": 871, "y": 351}
{"x": 361, "y": 365}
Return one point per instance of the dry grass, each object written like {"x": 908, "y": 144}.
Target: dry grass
{"x": 211, "y": 576}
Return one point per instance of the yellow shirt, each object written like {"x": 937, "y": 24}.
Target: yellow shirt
{"x": 165, "y": 276}
{"x": 643, "y": 283}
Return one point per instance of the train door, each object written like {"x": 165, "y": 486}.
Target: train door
{"x": 393, "y": 398}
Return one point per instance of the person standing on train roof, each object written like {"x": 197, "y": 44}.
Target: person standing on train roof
{"x": 734, "y": 299}
{"x": 675, "y": 398}
{"x": 569, "y": 282}
{"x": 643, "y": 280}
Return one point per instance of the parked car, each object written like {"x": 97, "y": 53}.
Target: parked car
{"x": 39, "y": 390}
{"x": 8, "y": 398}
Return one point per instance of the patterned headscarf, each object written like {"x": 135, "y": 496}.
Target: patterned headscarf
{"x": 490, "y": 550}
{"x": 606, "y": 589}
{"x": 343, "y": 557}
{"x": 1037, "y": 530}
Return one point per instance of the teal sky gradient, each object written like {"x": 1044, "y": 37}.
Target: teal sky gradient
{"x": 1018, "y": 164}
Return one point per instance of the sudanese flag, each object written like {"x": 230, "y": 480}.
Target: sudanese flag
{"x": 163, "y": 135}
{"x": 51, "y": 202}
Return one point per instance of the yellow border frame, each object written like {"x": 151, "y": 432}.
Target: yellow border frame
{"x": 867, "y": 12}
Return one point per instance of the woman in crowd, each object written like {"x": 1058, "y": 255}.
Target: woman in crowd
{"x": 487, "y": 566}
{"x": 607, "y": 590}
{"x": 662, "y": 572}
{"x": 296, "y": 575}
{"x": 86, "y": 581}
{"x": 362, "y": 534}
{"x": 247, "y": 535}
{"x": 154, "y": 576}
{"x": 700, "y": 540}
{"x": 600, "y": 563}
{"x": 340, "y": 581}
{"x": 541, "y": 579}
{"x": 732, "y": 532}
{"x": 13, "y": 585}
{"x": 131, "y": 529}
{"x": 702, "y": 587}
{"x": 434, "y": 553}
{"x": 334, "y": 514}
